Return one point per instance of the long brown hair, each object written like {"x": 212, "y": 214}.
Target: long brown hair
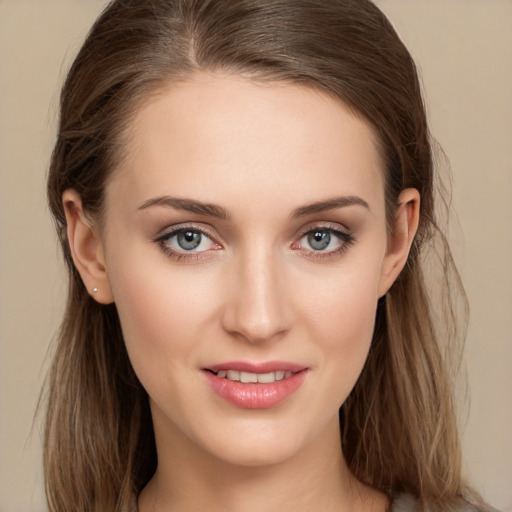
{"x": 399, "y": 429}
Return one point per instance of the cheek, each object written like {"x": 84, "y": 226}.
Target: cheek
{"x": 161, "y": 312}
{"x": 348, "y": 321}
{"x": 341, "y": 313}
{"x": 342, "y": 302}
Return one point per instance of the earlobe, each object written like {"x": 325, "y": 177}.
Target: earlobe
{"x": 86, "y": 248}
{"x": 399, "y": 243}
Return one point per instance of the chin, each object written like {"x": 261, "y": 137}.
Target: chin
{"x": 265, "y": 443}
{"x": 258, "y": 453}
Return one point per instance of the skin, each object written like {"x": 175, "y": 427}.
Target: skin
{"x": 254, "y": 290}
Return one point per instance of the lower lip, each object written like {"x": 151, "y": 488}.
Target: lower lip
{"x": 255, "y": 396}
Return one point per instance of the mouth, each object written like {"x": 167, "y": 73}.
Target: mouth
{"x": 255, "y": 386}
{"x": 253, "y": 378}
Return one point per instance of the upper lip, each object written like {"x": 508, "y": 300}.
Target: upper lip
{"x": 264, "y": 367}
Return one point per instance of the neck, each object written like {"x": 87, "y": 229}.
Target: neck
{"x": 316, "y": 478}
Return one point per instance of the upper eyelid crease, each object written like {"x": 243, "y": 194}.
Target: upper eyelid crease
{"x": 213, "y": 210}
{"x": 186, "y": 227}
{"x": 346, "y": 236}
{"x": 343, "y": 232}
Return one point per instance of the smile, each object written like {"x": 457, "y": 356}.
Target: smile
{"x": 255, "y": 386}
{"x": 253, "y": 378}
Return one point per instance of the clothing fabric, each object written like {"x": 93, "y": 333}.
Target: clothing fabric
{"x": 407, "y": 503}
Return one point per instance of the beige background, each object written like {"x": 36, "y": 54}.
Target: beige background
{"x": 464, "y": 50}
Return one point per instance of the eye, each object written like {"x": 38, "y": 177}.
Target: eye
{"x": 186, "y": 242}
{"x": 324, "y": 241}
{"x": 319, "y": 240}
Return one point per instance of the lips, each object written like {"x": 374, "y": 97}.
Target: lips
{"x": 255, "y": 386}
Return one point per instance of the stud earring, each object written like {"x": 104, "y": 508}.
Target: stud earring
{"x": 95, "y": 290}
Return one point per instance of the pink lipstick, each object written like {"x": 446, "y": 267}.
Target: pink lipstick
{"x": 255, "y": 386}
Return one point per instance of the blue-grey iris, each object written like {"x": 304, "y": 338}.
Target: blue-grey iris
{"x": 319, "y": 240}
{"x": 188, "y": 240}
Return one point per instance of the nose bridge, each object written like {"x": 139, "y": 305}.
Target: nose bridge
{"x": 258, "y": 309}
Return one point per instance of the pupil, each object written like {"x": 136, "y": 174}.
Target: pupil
{"x": 319, "y": 240}
{"x": 189, "y": 240}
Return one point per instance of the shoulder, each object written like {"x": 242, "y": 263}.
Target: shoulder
{"x": 407, "y": 503}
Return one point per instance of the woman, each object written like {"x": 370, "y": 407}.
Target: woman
{"x": 244, "y": 195}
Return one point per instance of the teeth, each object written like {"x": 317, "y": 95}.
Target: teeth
{"x": 247, "y": 377}
{"x": 233, "y": 375}
{"x": 266, "y": 378}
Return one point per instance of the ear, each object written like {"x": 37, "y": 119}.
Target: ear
{"x": 86, "y": 248}
{"x": 407, "y": 218}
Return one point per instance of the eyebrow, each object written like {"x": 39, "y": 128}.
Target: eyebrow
{"x": 189, "y": 205}
{"x": 329, "y": 204}
{"x": 213, "y": 210}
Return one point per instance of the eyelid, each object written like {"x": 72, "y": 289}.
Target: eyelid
{"x": 323, "y": 225}
{"x": 182, "y": 255}
{"x": 345, "y": 236}
{"x": 171, "y": 230}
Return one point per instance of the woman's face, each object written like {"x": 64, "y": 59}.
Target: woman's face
{"x": 245, "y": 238}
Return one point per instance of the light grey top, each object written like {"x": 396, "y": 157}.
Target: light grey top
{"x": 407, "y": 503}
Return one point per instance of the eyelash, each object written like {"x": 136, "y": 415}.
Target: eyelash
{"x": 162, "y": 242}
{"x": 346, "y": 239}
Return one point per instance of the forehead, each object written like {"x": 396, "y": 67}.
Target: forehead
{"x": 232, "y": 137}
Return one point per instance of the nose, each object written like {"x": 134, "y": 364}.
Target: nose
{"x": 257, "y": 308}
